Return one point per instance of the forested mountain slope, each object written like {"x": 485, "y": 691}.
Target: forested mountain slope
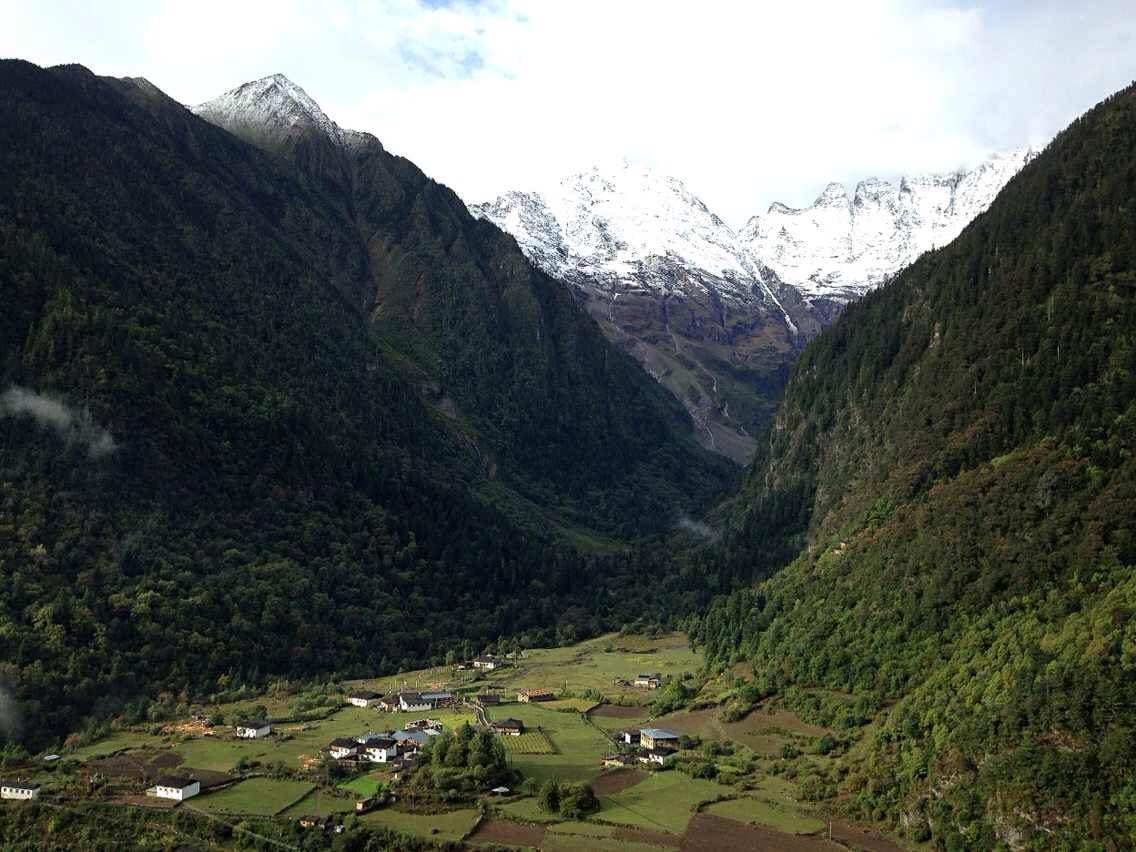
{"x": 559, "y": 413}
{"x": 951, "y": 480}
{"x": 215, "y": 467}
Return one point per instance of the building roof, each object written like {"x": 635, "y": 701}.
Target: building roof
{"x": 488, "y": 696}
{"x": 431, "y": 696}
{"x": 418, "y": 736}
{"x": 410, "y": 697}
{"x": 648, "y": 676}
{"x": 366, "y": 694}
{"x": 508, "y": 723}
{"x": 658, "y": 734}
{"x": 381, "y": 742}
{"x": 342, "y": 742}
{"x": 179, "y": 782}
{"x": 254, "y": 723}
{"x": 21, "y": 785}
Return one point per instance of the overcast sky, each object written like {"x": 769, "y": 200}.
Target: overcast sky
{"x": 748, "y": 103}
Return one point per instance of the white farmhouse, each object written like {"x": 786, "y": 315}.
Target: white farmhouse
{"x": 176, "y": 787}
{"x": 380, "y": 749}
{"x": 414, "y": 701}
{"x": 364, "y": 698}
{"x": 254, "y": 729}
{"x": 19, "y": 790}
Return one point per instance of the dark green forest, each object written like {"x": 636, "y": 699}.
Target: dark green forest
{"x": 944, "y": 507}
{"x": 226, "y": 453}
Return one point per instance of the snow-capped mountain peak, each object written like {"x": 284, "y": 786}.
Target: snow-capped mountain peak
{"x": 272, "y": 104}
{"x": 626, "y": 223}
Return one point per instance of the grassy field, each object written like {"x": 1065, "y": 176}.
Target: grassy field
{"x": 364, "y": 785}
{"x": 321, "y": 803}
{"x": 118, "y": 740}
{"x": 778, "y": 815}
{"x": 578, "y": 745}
{"x": 595, "y": 664}
{"x": 452, "y": 825}
{"x": 570, "y": 705}
{"x": 765, "y": 730}
{"x": 665, "y": 801}
{"x": 256, "y": 796}
{"x": 530, "y": 742}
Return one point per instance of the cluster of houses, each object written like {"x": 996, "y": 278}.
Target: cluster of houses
{"x": 643, "y": 680}
{"x": 397, "y": 748}
{"x": 412, "y": 702}
{"x": 653, "y": 745}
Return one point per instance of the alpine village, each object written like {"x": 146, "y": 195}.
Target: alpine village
{"x": 342, "y": 512}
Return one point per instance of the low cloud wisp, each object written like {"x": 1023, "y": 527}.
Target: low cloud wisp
{"x": 74, "y": 426}
{"x": 698, "y": 528}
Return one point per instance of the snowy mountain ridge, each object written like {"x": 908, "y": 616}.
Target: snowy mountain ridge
{"x": 629, "y": 226}
{"x": 841, "y": 247}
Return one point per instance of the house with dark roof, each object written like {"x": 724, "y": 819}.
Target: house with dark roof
{"x": 628, "y": 736}
{"x": 414, "y": 701}
{"x": 648, "y": 680}
{"x": 21, "y": 790}
{"x": 487, "y": 699}
{"x": 364, "y": 698}
{"x": 508, "y": 727}
{"x": 343, "y": 747}
{"x": 176, "y": 787}
{"x": 380, "y": 749}
{"x": 488, "y": 662}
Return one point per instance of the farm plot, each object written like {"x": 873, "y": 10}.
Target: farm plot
{"x": 364, "y": 785}
{"x": 665, "y": 801}
{"x": 530, "y": 742}
{"x": 255, "y": 796}
{"x": 452, "y": 825}
{"x": 578, "y": 746}
{"x": 779, "y": 815}
{"x": 504, "y": 832}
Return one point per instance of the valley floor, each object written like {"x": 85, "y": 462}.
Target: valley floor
{"x": 732, "y": 784}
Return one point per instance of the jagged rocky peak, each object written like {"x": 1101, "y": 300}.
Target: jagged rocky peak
{"x": 834, "y": 195}
{"x": 273, "y": 107}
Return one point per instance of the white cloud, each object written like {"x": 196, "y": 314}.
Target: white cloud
{"x": 746, "y": 102}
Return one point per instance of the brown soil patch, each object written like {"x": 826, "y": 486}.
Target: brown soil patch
{"x": 208, "y": 778}
{"x": 642, "y": 835}
{"x": 139, "y": 765}
{"x": 617, "y": 781}
{"x": 508, "y": 833}
{"x": 618, "y": 711}
{"x": 859, "y": 837}
{"x": 710, "y": 833}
